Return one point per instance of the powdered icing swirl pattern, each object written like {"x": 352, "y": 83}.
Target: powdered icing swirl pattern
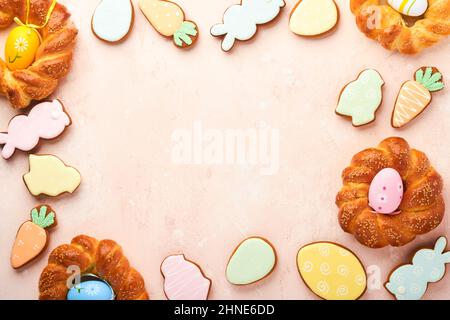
{"x": 331, "y": 271}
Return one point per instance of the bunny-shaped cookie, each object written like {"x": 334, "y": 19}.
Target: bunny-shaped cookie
{"x": 409, "y": 281}
{"x": 47, "y": 120}
{"x": 240, "y": 20}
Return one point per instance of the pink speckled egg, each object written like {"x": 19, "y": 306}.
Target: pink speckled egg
{"x": 386, "y": 191}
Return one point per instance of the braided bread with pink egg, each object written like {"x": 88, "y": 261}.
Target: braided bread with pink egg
{"x": 422, "y": 206}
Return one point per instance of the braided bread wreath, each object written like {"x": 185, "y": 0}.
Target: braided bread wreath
{"x": 382, "y": 23}
{"x": 422, "y": 206}
{"x": 53, "y": 57}
{"x": 103, "y": 258}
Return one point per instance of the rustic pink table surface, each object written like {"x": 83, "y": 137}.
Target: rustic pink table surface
{"x": 129, "y": 101}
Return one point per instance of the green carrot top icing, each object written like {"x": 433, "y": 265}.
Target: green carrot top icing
{"x": 183, "y": 33}
{"x": 41, "y": 218}
{"x": 431, "y": 81}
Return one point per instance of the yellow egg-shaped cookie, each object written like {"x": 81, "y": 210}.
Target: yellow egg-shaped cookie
{"x": 21, "y": 47}
{"x": 331, "y": 271}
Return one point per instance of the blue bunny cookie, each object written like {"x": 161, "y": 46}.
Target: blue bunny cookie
{"x": 409, "y": 281}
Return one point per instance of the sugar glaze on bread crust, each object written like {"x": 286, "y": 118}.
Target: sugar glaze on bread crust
{"x": 422, "y": 207}
{"x": 103, "y": 258}
{"x": 53, "y": 57}
{"x": 382, "y": 23}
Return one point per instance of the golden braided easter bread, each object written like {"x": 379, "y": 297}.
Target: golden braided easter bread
{"x": 53, "y": 57}
{"x": 422, "y": 206}
{"x": 103, "y": 258}
{"x": 382, "y": 23}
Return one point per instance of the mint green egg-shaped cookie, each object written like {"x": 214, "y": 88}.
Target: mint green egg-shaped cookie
{"x": 253, "y": 260}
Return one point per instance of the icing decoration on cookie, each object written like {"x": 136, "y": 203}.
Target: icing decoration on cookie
{"x": 361, "y": 98}
{"x": 112, "y": 20}
{"x": 21, "y": 47}
{"x": 253, "y": 260}
{"x": 48, "y": 175}
{"x": 312, "y": 18}
{"x": 240, "y": 20}
{"x": 415, "y": 95}
{"x": 183, "y": 279}
{"x": 386, "y": 191}
{"x": 46, "y": 120}
{"x": 412, "y": 8}
{"x": 410, "y": 281}
{"x": 331, "y": 271}
{"x": 168, "y": 19}
{"x": 32, "y": 236}
{"x": 91, "y": 287}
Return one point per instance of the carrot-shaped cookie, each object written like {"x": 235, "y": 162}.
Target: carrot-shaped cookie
{"x": 168, "y": 19}
{"x": 415, "y": 95}
{"x": 32, "y": 236}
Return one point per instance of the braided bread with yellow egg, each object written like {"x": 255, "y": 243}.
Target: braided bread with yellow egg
{"x": 103, "y": 258}
{"x": 422, "y": 206}
{"x": 53, "y": 57}
{"x": 382, "y": 23}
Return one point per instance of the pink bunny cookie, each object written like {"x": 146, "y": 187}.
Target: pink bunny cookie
{"x": 47, "y": 120}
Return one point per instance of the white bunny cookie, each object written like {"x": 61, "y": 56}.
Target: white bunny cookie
{"x": 409, "y": 281}
{"x": 240, "y": 21}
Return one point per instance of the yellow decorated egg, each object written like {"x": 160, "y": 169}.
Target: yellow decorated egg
{"x": 331, "y": 271}
{"x": 21, "y": 47}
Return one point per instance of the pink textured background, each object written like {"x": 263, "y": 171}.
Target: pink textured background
{"x": 125, "y": 102}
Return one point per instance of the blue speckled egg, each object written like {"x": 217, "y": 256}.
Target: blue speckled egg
{"x": 91, "y": 290}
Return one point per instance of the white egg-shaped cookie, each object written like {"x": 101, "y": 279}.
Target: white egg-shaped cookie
{"x": 112, "y": 20}
{"x": 412, "y": 8}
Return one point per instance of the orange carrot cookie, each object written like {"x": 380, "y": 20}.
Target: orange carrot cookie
{"x": 415, "y": 95}
{"x": 32, "y": 237}
{"x": 168, "y": 19}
